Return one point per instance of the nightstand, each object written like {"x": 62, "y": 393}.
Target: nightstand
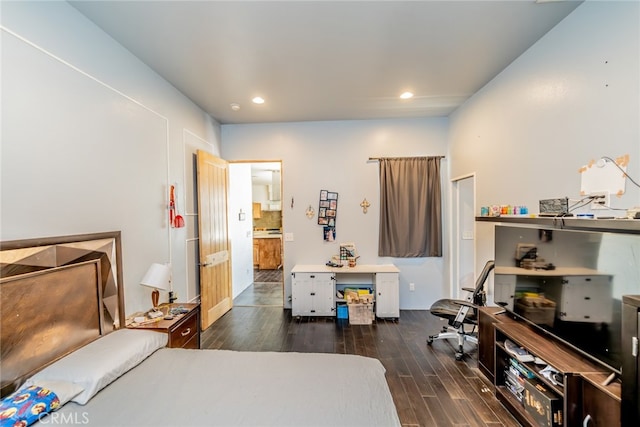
{"x": 183, "y": 330}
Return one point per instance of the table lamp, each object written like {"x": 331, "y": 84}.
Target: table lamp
{"x": 157, "y": 277}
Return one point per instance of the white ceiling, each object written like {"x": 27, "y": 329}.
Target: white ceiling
{"x": 326, "y": 60}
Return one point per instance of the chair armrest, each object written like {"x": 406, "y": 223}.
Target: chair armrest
{"x": 468, "y": 304}
{"x": 468, "y": 289}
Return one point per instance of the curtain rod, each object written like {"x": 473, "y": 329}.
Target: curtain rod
{"x": 378, "y": 158}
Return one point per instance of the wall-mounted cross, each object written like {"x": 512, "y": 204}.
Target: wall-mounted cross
{"x": 365, "y": 205}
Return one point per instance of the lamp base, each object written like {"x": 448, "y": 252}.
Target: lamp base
{"x": 155, "y": 297}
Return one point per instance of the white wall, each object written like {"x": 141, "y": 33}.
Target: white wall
{"x": 572, "y": 97}
{"x": 91, "y": 140}
{"x": 334, "y": 156}
{"x": 240, "y": 231}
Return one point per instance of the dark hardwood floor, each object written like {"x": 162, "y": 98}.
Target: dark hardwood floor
{"x": 268, "y": 276}
{"x": 260, "y": 294}
{"x": 429, "y": 387}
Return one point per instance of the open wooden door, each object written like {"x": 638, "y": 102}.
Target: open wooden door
{"x": 215, "y": 263}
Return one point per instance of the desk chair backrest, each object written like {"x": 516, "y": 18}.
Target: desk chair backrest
{"x": 479, "y": 296}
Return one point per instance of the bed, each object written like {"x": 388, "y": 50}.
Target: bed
{"x": 73, "y": 363}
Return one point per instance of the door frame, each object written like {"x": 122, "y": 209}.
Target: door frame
{"x": 462, "y": 256}
{"x": 232, "y": 225}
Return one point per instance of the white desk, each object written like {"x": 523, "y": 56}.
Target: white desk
{"x": 313, "y": 288}
{"x": 367, "y": 269}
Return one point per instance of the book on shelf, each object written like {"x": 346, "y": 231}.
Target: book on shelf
{"x": 524, "y": 371}
{"x": 518, "y": 352}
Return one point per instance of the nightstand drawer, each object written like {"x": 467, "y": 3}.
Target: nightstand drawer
{"x": 183, "y": 332}
{"x": 193, "y": 343}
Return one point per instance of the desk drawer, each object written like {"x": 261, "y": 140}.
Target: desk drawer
{"x": 184, "y": 331}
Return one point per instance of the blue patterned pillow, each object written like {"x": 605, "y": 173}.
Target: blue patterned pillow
{"x": 26, "y": 406}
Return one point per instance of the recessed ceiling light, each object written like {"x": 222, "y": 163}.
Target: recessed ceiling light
{"x": 406, "y": 95}
{"x": 235, "y": 106}
{"x": 258, "y": 100}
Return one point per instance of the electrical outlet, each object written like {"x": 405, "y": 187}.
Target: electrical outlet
{"x": 601, "y": 200}
{"x": 412, "y": 287}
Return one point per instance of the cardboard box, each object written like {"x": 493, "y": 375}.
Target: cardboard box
{"x": 537, "y": 315}
{"x": 356, "y": 296}
{"x": 544, "y": 406}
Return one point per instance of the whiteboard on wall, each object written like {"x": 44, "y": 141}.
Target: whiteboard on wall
{"x": 80, "y": 157}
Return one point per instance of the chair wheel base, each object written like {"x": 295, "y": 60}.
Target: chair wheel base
{"x": 459, "y": 356}
{"x": 430, "y": 340}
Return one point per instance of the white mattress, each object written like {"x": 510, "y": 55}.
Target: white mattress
{"x": 177, "y": 387}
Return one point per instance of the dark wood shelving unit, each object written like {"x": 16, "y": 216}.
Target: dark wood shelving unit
{"x": 583, "y": 393}
{"x": 588, "y": 391}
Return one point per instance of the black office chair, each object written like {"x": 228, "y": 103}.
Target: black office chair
{"x": 460, "y": 313}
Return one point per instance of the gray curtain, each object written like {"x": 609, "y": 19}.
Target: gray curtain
{"x": 410, "y": 207}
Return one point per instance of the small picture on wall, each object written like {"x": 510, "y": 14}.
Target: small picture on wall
{"x": 329, "y": 234}
{"x": 327, "y": 208}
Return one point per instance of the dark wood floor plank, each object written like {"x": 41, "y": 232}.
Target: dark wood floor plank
{"x": 479, "y": 404}
{"x": 418, "y": 404}
{"x": 406, "y": 414}
{"x": 486, "y": 405}
{"x": 421, "y": 380}
{"x": 418, "y": 350}
{"x": 441, "y": 387}
{"x": 429, "y": 387}
{"x": 452, "y": 376}
{"x": 439, "y": 412}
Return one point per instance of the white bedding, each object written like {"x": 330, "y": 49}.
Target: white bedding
{"x": 177, "y": 387}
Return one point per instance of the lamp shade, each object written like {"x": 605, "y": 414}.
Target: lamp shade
{"x": 158, "y": 276}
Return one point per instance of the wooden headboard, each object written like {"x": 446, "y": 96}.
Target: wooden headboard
{"x": 56, "y": 294}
